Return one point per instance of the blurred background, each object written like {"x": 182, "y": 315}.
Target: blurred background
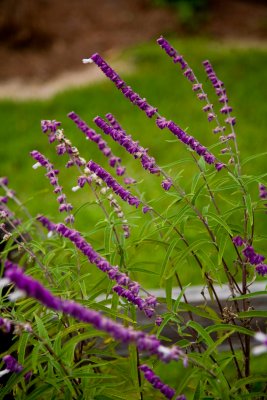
{"x": 40, "y": 39}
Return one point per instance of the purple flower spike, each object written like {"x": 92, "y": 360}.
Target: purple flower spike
{"x": 93, "y": 136}
{"x": 52, "y": 176}
{"x": 50, "y": 226}
{"x": 156, "y": 382}
{"x": 113, "y": 184}
{"x": 143, "y": 341}
{"x": 121, "y": 85}
{"x": 30, "y": 286}
{"x": 130, "y": 146}
{"x": 220, "y": 91}
{"x": 177, "y": 58}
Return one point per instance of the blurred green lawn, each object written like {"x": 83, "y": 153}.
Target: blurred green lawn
{"x": 243, "y": 71}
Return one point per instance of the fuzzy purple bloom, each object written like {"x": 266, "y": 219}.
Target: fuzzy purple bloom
{"x": 166, "y": 184}
{"x": 252, "y": 256}
{"x": 261, "y": 269}
{"x": 238, "y": 241}
{"x": 11, "y": 364}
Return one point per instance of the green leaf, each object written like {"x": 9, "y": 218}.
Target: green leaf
{"x": 177, "y": 301}
{"x": 202, "y": 332}
{"x": 253, "y": 157}
{"x": 227, "y": 327}
{"x": 249, "y": 208}
{"x": 168, "y": 288}
{"x": 220, "y": 221}
{"x": 252, "y": 314}
{"x": 249, "y": 295}
{"x": 168, "y": 255}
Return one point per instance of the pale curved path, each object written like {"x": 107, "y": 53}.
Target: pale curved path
{"x": 16, "y": 89}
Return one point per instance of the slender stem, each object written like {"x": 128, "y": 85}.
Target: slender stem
{"x": 139, "y": 374}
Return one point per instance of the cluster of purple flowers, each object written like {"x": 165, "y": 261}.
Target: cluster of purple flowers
{"x": 143, "y": 341}
{"x": 252, "y": 257}
{"x": 97, "y": 138}
{"x": 156, "y": 382}
{"x": 151, "y": 111}
{"x": 131, "y": 288}
{"x": 221, "y": 93}
{"x": 113, "y": 184}
{"x": 131, "y": 146}
{"x": 52, "y": 176}
{"x": 50, "y": 127}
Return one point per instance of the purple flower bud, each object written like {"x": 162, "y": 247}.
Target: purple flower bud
{"x": 261, "y": 269}
{"x": 226, "y": 109}
{"x": 11, "y": 364}
{"x": 211, "y": 117}
{"x": 202, "y": 96}
{"x": 238, "y": 241}
{"x": 219, "y": 166}
{"x": 207, "y": 107}
{"x": 230, "y": 120}
{"x": 158, "y": 320}
{"x": 196, "y": 87}
{"x": 3, "y": 181}
{"x": 129, "y": 181}
{"x": 166, "y": 184}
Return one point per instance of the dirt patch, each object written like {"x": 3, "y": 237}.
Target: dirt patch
{"x": 41, "y": 39}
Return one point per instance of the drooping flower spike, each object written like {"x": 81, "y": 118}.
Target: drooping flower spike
{"x": 52, "y": 176}
{"x": 142, "y": 340}
{"x": 146, "y": 304}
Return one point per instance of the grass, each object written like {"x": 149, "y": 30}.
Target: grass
{"x": 162, "y": 83}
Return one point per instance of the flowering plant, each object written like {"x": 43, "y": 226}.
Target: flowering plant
{"x": 82, "y": 317}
